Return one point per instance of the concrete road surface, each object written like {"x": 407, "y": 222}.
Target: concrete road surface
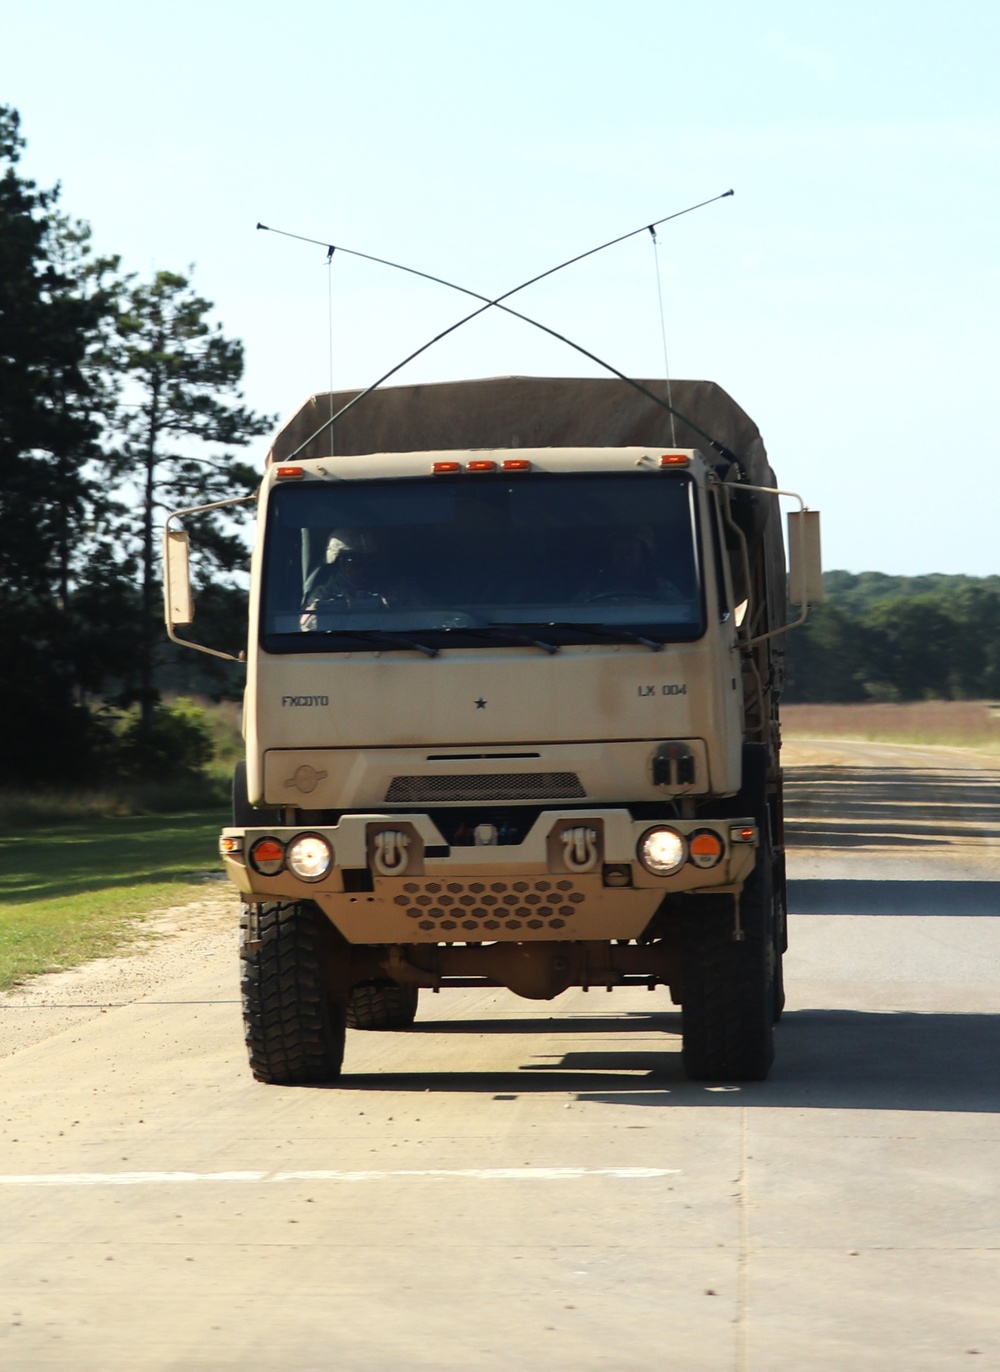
{"x": 536, "y": 1186}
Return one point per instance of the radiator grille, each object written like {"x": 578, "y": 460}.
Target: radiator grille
{"x": 457, "y": 909}
{"x": 499, "y": 786}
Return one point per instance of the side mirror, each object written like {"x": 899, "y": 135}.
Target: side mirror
{"x": 177, "y": 602}
{"x": 805, "y": 563}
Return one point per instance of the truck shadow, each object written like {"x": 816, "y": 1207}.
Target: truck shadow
{"x": 826, "y": 1060}
{"x": 852, "y": 807}
{"x": 887, "y": 897}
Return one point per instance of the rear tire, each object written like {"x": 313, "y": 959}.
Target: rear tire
{"x": 382, "y": 1005}
{"x": 728, "y": 1006}
{"x": 295, "y": 1030}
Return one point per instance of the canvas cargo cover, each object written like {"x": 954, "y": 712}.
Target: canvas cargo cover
{"x": 524, "y": 412}
{"x": 550, "y": 412}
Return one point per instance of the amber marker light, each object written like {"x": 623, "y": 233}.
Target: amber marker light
{"x": 674, "y": 460}
{"x": 289, "y": 473}
{"x": 267, "y": 856}
{"x": 229, "y": 845}
{"x": 746, "y": 833}
{"x": 445, "y": 468}
{"x": 515, "y": 464}
{"x": 481, "y": 464}
{"x": 705, "y": 848}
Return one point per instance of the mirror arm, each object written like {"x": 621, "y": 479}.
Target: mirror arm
{"x": 180, "y": 514}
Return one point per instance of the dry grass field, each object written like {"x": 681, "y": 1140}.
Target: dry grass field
{"x": 953, "y": 723}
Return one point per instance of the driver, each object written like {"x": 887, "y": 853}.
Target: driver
{"x": 349, "y": 575}
{"x": 357, "y": 574}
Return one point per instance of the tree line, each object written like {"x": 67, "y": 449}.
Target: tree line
{"x": 119, "y": 399}
{"x": 892, "y": 638}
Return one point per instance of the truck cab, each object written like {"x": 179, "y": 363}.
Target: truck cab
{"x": 506, "y": 725}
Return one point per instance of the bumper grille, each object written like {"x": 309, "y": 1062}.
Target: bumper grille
{"x": 501, "y": 786}
{"x": 461, "y": 908}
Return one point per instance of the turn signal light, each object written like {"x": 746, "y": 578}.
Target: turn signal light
{"x": 746, "y": 833}
{"x": 705, "y": 848}
{"x": 267, "y": 856}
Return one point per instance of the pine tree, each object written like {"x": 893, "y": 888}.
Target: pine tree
{"x": 183, "y": 412}
{"x": 56, "y": 301}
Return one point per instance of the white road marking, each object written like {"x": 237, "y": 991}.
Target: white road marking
{"x": 473, "y": 1173}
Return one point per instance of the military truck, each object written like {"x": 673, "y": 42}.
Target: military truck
{"x": 513, "y": 673}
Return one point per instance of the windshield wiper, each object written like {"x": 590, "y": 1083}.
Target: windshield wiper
{"x": 494, "y": 631}
{"x": 381, "y": 636}
{"x": 612, "y": 635}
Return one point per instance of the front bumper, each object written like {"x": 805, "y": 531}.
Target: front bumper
{"x": 576, "y": 875}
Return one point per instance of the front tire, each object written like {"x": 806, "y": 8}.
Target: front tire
{"x": 728, "y": 1006}
{"x": 295, "y": 1028}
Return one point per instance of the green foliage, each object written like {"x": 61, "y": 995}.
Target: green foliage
{"x": 118, "y": 399}
{"x": 884, "y": 638}
{"x": 185, "y": 375}
{"x": 57, "y": 307}
{"x": 176, "y": 744}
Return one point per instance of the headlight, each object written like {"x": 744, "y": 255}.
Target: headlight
{"x": 267, "y": 856}
{"x": 662, "y": 851}
{"x": 309, "y": 856}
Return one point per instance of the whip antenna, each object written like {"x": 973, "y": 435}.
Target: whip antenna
{"x": 497, "y": 302}
{"x": 663, "y": 333}
{"x": 329, "y": 295}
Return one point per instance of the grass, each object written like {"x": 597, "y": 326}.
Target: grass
{"x": 71, "y": 892}
{"x": 971, "y": 724}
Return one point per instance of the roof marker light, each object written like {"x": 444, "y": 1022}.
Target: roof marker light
{"x": 481, "y": 464}
{"x": 442, "y": 468}
{"x": 515, "y": 464}
{"x": 288, "y": 473}
{"x": 674, "y": 460}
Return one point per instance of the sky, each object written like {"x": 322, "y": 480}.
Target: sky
{"x": 847, "y": 295}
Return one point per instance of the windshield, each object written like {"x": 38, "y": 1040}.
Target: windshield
{"x": 468, "y": 560}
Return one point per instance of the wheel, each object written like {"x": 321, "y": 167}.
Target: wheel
{"x": 780, "y": 944}
{"x": 727, "y": 997}
{"x": 245, "y": 816}
{"x": 294, "y": 1030}
{"x": 779, "y": 987}
{"x": 382, "y": 1005}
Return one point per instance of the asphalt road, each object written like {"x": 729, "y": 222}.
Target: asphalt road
{"x": 521, "y": 1185}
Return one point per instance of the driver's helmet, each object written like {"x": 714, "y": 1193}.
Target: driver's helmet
{"x": 353, "y": 542}
{"x": 338, "y": 543}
